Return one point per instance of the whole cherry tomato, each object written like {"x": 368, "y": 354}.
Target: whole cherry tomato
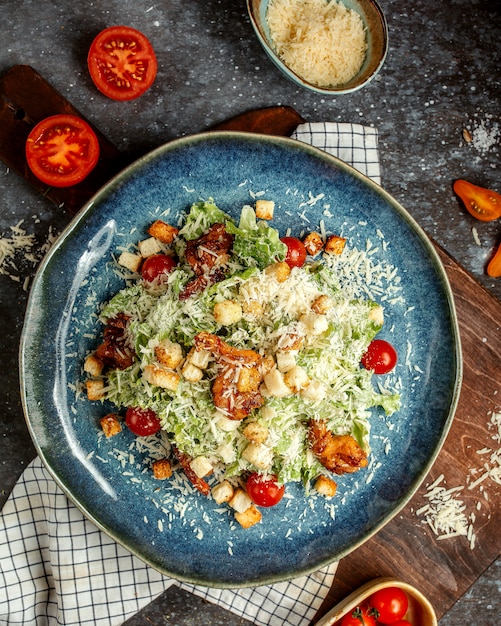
{"x": 142, "y": 422}
{"x": 264, "y": 490}
{"x": 380, "y": 356}
{"x": 360, "y": 616}
{"x": 122, "y": 63}
{"x": 402, "y": 622}
{"x": 62, "y": 150}
{"x": 156, "y": 266}
{"x": 391, "y": 604}
{"x": 296, "y": 252}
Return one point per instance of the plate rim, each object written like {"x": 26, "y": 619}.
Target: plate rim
{"x": 92, "y": 205}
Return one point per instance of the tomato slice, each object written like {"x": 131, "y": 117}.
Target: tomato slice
{"x": 62, "y": 150}
{"x": 142, "y": 422}
{"x": 494, "y": 265}
{"x": 264, "y": 490}
{"x": 156, "y": 266}
{"x": 296, "y": 252}
{"x": 484, "y": 204}
{"x": 380, "y": 356}
{"x": 122, "y": 63}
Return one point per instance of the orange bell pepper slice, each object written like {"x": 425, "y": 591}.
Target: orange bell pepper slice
{"x": 494, "y": 265}
{"x": 484, "y": 204}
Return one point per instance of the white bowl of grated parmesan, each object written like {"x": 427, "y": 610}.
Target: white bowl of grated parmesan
{"x": 328, "y": 46}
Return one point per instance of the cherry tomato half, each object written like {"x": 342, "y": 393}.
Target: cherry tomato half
{"x": 380, "y": 356}
{"x": 142, "y": 422}
{"x": 62, "y": 150}
{"x": 122, "y": 63}
{"x": 494, "y": 265}
{"x": 157, "y": 265}
{"x": 296, "y": 252}
{"x": 264, "y": 490}
{"x": 358, "y": 617}
{"x": 391, "y": 604}
{"x": 482, "y": 203}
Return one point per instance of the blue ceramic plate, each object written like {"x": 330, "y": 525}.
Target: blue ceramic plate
{"x": 183, "y": 534}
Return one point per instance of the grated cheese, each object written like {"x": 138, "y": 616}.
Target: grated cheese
{"x": 323, "y": 42}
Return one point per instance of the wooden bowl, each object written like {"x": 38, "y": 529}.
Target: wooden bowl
{"x": 419, "y": 613}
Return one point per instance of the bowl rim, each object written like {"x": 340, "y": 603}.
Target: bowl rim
{"x": 345, "y": 88}
{"x": 357, "y": 597}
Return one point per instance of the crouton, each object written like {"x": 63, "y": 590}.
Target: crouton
{"x": 199, "y": 358}
{"x": 226, "y": 424}
{"x": 267, "y": 364}
{"x": 163, "y": 232}
{"x": 321, "y": 304}
{"x": 290, "y": 341}
{"x": 315, "y": 323}
{"x": 240, "y": 501}
{"x": 313, "y": 243}
{"x": 130, "y": 261}
{"x": 222, "y": 492}
{"x": 265, "y": 209}
{"x": 258, "y": 433}
{"x": 258, "y": 455}
{"x": 192, "y": 373}
{"x": 249, "y": 379}
{"x": 315, "y": 391}
{"x": 110, "y": 425}
{"x": 201, "y": 466}
{"x": 334, "y": 244}
{"x": 169, "y": 353}
{"x": 377, "y": 315}
{"x": 249, "y": 517}
{"x": 162, "y": 469}
{"x": 93, "y": 365}
{"x": 94, "y": 389}
{"x": 275, "y": 384}
{"x": 296, "y": 379}
{"x": 286, "y": 360}
{"x": 326, "y": 486}
{"x": 149, "y": 247}
{"x": 280, "y": 271}
{"x": 159, "y": 376}
{"x": 227, "y": 312}
{"x": 252, "y": 307}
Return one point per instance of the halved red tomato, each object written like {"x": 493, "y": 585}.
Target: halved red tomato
{"x": 122, "y": 63}
{"x": 62, "y": 150}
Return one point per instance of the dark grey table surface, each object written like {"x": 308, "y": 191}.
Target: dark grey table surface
{"x": 442, "y": 75}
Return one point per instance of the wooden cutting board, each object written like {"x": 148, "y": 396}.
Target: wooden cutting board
{"x": 405, "y": 548}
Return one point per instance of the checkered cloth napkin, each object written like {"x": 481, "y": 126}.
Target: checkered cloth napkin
{"x": 58, "y": 568}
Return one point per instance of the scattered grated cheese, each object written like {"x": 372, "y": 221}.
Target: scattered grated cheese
{"x": 19, "y": 247}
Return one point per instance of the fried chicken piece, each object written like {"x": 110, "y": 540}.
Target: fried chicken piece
{"x": 115, "y": 351}
{"x": 235, "y": 390}
{"x": 207, "y": 256}
{"x": 340, "y": 454}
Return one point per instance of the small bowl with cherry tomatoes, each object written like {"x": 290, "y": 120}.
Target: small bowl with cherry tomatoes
{"x": 382, "y": 602}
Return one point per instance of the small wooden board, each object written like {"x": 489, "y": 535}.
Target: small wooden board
{"x": 407, "y": 549}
